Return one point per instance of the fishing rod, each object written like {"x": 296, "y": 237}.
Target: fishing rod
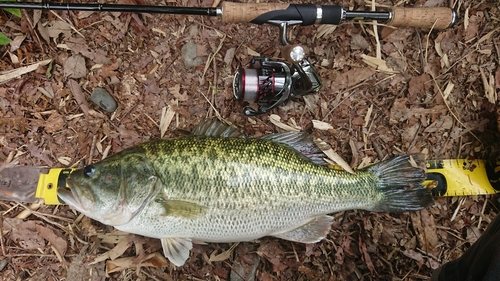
{"x": 271, "y": 83}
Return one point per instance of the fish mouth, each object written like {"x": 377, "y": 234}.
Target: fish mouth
{"x": 70, "y": 196}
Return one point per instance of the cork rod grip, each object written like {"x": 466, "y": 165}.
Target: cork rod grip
{"x": 437, "y": 18}
{"x": 247, "y": 12}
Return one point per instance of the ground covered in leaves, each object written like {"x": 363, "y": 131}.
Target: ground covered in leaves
{"x": 385, "y": 92}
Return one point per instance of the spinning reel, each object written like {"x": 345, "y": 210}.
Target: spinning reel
{"x": 272, "y": 83}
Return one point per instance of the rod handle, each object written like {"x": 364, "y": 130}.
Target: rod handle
{"x": 437, "y": 18}
{"x": 247, "y": 12}
{"x": 260, "y": 13}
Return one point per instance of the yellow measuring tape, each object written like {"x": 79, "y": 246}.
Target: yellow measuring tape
{"x": 49, "y": 183}
{"x": 462, "y": 177}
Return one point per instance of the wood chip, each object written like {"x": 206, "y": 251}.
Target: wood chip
{"x": 276, "y": 120}
{"x": 320, "y": 125}
{"x": 466, "y": 19}
{"x": 159, "y": 31}
{"x": 378, "y": 64}
{"x": 368, "y": 115}
{"x": 333, "y": 156}
{"x": 252, "y": 52}
{"x": 66, "y": 161}
{"x": 488, "y": 84}
{"x": 448, "y": 89}
{"x": 167, "y": 114}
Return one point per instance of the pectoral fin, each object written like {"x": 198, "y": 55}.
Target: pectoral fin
{"x": 182, "y": 208}
{"x": 176, "y": 249}
{"x": 311, "y": 232}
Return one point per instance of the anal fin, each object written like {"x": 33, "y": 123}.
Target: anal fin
{"x": 311, "y": 232}
{"x": 176, "y": 249}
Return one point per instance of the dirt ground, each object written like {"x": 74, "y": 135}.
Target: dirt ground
{"x": 432, "y": 92}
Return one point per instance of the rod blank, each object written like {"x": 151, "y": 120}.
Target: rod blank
{"x": 112, "y": 8}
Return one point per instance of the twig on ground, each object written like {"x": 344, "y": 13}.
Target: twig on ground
{"x": 421, "y": 53}
{"x": 68, "y": 22}
{"x": 44, "y": 216}
{"x": 1, "y": 236}
{"x": 378, "y": 48}
{"x": 460, "y": 203}
{"x": 482, "y": 213}
{"x": 217, "y": 113}
{"x": 26, "y": 16}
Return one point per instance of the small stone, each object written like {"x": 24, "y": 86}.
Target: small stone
{"x": 188, "y": 53}
{"x": 3, "y": 264}
{"x": 103, "y": 99}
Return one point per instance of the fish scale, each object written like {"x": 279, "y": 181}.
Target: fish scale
{"x": 229, "y": 189}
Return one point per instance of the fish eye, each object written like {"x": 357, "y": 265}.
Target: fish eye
{"x": 89, "y": 170}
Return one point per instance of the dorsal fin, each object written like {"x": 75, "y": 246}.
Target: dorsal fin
{"x": 302, "y": 142}
{"x": 215, "y": 128}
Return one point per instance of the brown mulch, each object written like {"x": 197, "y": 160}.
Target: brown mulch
{"x": 437, "y": 96}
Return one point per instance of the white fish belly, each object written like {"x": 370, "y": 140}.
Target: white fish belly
{"x": 224, "y": 226}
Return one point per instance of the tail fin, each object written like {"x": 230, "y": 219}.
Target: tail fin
{"x": 401, "y": 184}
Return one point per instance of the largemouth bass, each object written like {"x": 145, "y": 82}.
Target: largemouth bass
{"x": 214, "y": 187}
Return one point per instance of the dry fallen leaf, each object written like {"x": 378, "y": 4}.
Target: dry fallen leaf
{"x": 152, "y": 260}
{"x": 56, "y": 241}
{"x": 353, "y": 77}
{"x": 79, "y": 46}
{"x": 74, "y": 67}
{"x": 414, "y": 255}
{"x": 176, "y": 92}
{"x": 274, "y": 253}
{"x": 24, "y": 233}
{"x": 224, "y": 255}
{"x": 78, "y": 95}
{"x": 55, "y": 28}
{"x": 37, "y": 152}
{"x": 16, "y": 42}
{"x": 358, "y": 42}
{"x": 365, "y": 255}
{"x": 120, "y": 248}
{"x": 444, "y": 123}
{"x": 54, "y": 123}
{"x": 228, "y": 58}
